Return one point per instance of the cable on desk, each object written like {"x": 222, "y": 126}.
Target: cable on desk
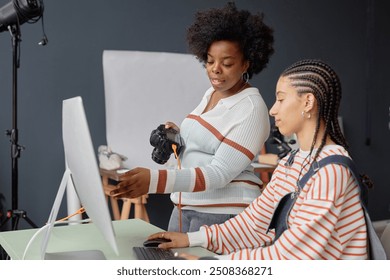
{"x": 58, "y": 222}
{"x": 80, "y": 211}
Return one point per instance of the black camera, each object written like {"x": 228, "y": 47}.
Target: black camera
{"x": 162, "y": 140}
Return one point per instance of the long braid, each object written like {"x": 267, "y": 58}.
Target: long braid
{"x": 315, "y": 76}
{"x": 335, "y": 132}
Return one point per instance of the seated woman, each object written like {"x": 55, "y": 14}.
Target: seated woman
{"x": 327, "y": 220}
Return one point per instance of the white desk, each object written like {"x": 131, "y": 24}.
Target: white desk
{"x": 129, "y": 233}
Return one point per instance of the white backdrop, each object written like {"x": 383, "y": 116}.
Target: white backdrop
{"x": 143, "y": 90}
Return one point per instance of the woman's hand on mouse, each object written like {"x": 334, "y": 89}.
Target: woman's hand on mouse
{"x": 177, "y": 239}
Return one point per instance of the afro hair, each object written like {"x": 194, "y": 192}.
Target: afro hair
{"x": 248, "y": 30}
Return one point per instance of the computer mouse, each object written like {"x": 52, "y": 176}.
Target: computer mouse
{"x": 155, "y": 242}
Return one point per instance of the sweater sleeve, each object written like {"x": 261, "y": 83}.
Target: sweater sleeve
{"x": 246, "y": 230}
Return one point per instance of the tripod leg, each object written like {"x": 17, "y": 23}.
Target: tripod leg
{"x": 15, "y": 222}
{"x": 28, "y": 220}
{"x": 16, "y": 215}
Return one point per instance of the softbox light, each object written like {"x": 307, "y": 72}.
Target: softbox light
{"x": 18, "y": 12}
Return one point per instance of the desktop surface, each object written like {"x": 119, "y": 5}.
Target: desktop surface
{"x": 129, "y": 233}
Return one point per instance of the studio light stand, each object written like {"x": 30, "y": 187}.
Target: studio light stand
{"x": 15, "y": 213}
{"x": 12, "y": 16}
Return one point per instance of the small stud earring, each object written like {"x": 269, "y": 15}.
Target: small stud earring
{"x": 303, "y": 115}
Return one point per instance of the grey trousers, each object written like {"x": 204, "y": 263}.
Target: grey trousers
{"x": 193, "y": 220}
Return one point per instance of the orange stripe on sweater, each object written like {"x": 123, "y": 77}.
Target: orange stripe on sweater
{"x": 244, "y": 237}
{"x": 162, "y": 181}
{"x": 222, "y": 138}
{"x": 200, "y": 183}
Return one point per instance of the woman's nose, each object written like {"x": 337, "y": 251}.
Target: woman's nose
{"x": 272, "y": 111}
{"x": 216, "y": 69}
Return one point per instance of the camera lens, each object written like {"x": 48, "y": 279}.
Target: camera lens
{"x": 159, "y": 156}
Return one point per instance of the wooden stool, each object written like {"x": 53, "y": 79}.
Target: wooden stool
{"x": 139, "y": 202}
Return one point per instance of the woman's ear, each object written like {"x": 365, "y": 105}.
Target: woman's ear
{"x": 310, "y": 102}
{"x": 246, "y": 65}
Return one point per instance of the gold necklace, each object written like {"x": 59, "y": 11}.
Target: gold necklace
{"x": 215, "y": 103}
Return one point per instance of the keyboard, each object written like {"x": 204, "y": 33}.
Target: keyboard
{"x": 151, "y": 253}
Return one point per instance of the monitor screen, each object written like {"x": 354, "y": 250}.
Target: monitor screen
{"x": 82, "y": 167}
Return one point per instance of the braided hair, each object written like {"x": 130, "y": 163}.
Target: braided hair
{"x": 253, "y": 36}
{"x": 316, "y": 77}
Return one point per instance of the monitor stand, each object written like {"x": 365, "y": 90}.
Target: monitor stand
{"x": 76, "y": 255}
{"x": 69, "y": 255}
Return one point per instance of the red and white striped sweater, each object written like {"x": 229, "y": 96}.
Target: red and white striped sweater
{"x": 326, "y": 222}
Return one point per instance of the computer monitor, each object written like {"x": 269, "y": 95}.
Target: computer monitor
{"x": 82, "y": 170}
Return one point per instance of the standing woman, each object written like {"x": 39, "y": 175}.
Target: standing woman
{"x": 327, "y": 220}
{"x": 224, "y": 132}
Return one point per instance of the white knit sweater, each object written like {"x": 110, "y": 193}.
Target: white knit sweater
{"x": 216, "y": 174}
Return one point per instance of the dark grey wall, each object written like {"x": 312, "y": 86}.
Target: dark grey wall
{"x": 343, "y": 33}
